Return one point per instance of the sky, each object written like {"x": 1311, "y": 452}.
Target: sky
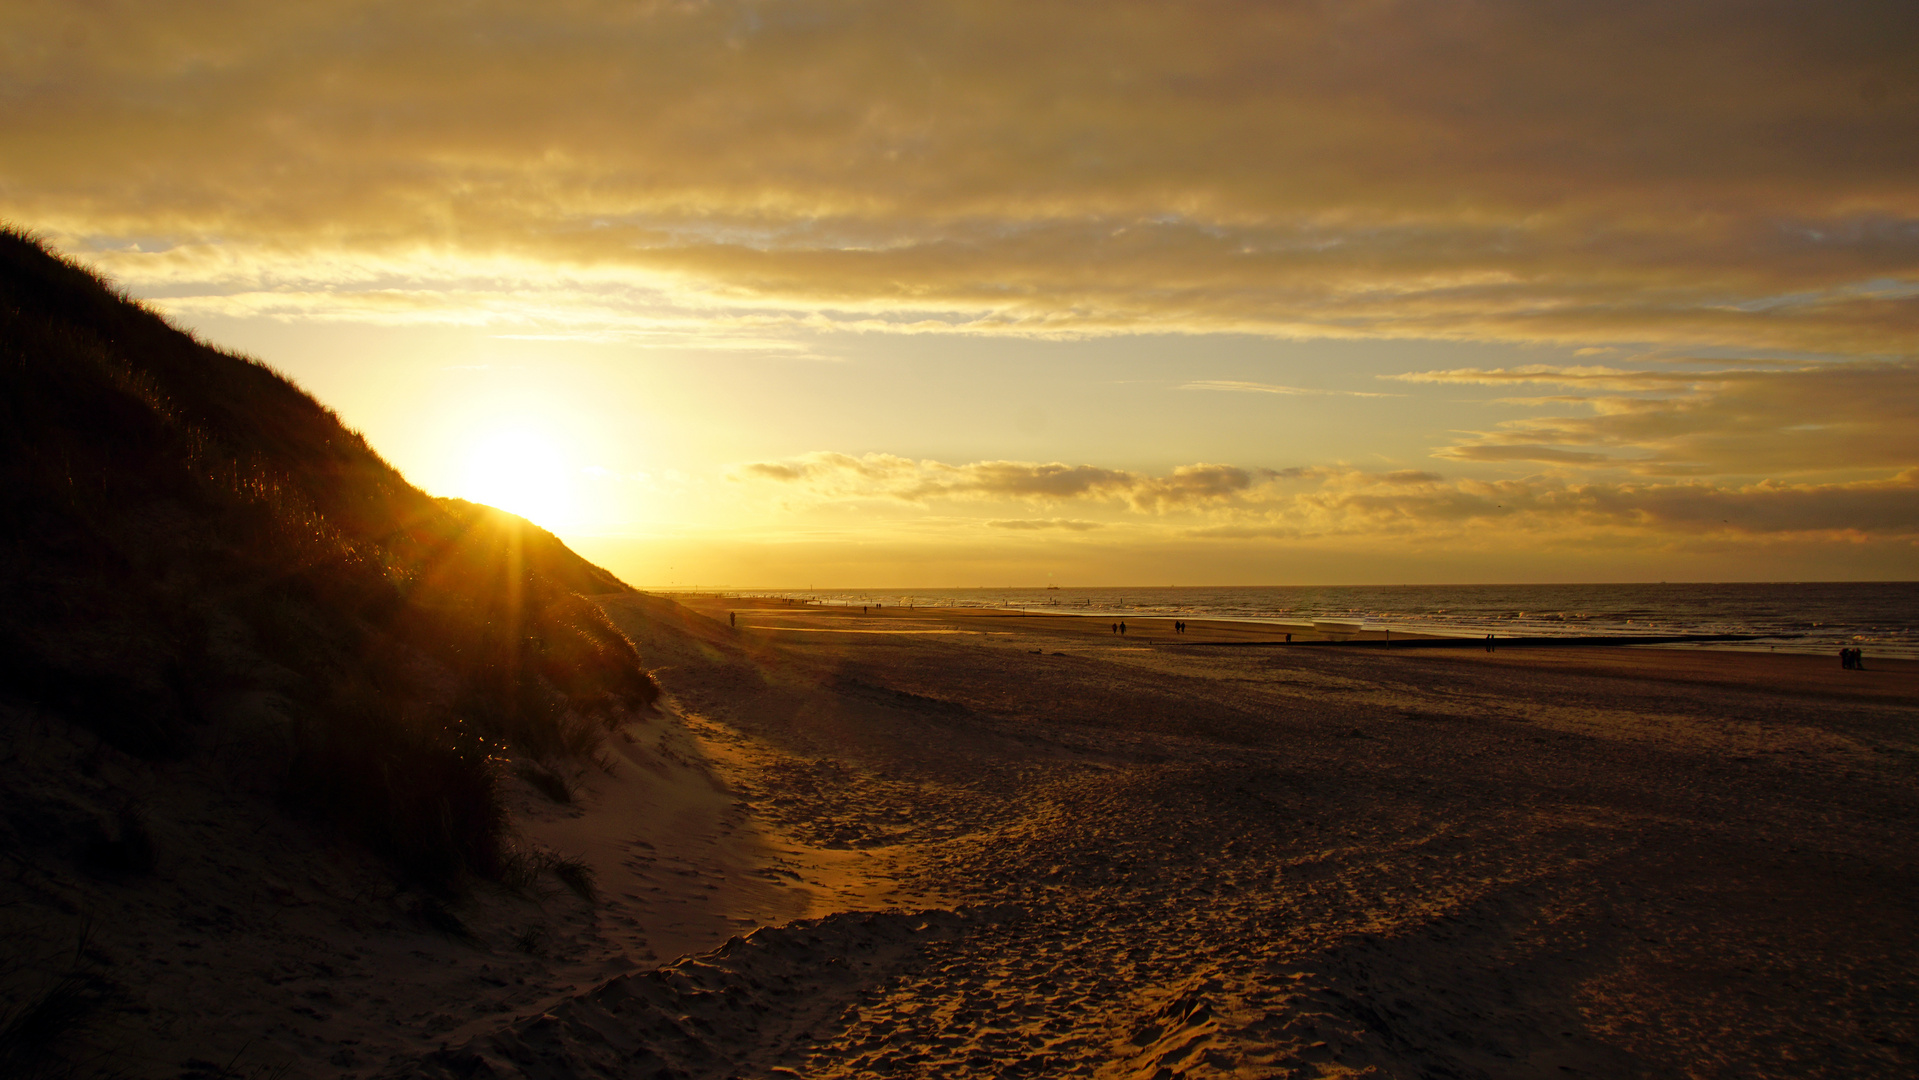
{"x": 836, "y": 294}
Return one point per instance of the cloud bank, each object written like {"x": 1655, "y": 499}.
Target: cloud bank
{"x": 1230, "y": 502}
{"x": 1724, "y": 171}
{"x": 1036, "y": 524}
{"x": 885, "y": 476}
{"x": 1238, "y": 386}
{"x": 1768, "y": 421}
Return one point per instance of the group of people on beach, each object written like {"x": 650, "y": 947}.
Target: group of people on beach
{"x": 1178, "y": 628}
{"x": 1852, "y": 659}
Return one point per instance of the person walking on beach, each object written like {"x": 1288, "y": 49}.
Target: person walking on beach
{"x": 733, "y": 619}
{"x": 1122, "y": 628}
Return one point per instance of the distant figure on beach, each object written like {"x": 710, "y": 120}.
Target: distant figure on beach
{"x": 864, "y": 609}
{"x": 1122, "y": 628}
{"x": 1852, "y": 659}
{"x": 732, "y": 618}
{"x": 1289, "y": 639}
{"x": 1489, "y": 643}
{"x": 1115, "y": 628}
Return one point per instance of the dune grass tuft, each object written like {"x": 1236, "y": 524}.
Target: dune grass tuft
{"x": 523, "y": 869}
{"x": 575, "y": 874}
{"x": 547, "y": 781}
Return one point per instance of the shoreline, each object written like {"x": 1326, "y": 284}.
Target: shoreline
{"x": 1242, "y": 631}
{"x": 1888, "y": 679}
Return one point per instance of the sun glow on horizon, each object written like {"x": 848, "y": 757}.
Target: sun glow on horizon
{"x": 522, "y": 470}
{"x": 1236, "y": 302}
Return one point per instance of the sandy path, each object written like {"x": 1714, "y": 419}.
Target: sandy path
{"x": 1279, "y": 863}
{"x": 260, "y": 945}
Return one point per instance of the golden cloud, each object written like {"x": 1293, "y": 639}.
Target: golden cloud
{"x": 1223, "y": 501}
{"x": 1771, "y": 420}
{"x": 1032, "y": 524}
{"x": 1723, "y": 172}
{"x": 1240, "y": 386}
{"x": 886, "y": 476}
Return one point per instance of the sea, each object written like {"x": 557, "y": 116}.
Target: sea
{"x": 1881, "y": 618}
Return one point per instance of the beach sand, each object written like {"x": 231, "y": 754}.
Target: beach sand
{"x": 968, "y": 843}
{"x": 1138, "y": 857}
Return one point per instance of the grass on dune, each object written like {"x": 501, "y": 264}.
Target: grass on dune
{"x": 178, "y": 523}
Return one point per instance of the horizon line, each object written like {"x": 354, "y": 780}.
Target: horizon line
{"x": 1347, "y": 585}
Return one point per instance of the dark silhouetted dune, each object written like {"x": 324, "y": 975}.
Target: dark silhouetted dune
{"x": 184, "y": 528}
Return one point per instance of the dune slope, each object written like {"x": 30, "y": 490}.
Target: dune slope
{"x": 225, "y": 620}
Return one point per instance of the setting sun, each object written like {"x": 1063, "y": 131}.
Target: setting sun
{"x": 522, "y": 471}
